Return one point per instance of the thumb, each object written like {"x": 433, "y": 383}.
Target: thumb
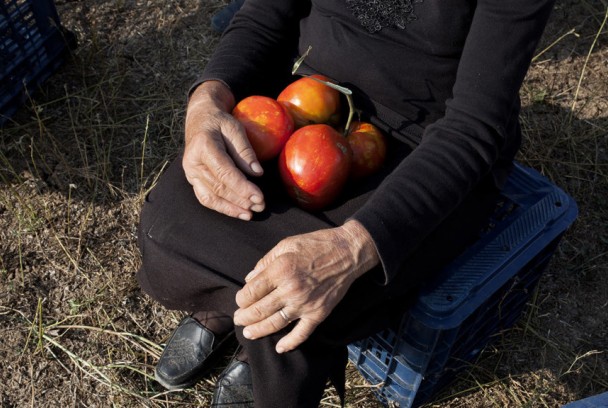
{"x": 239, "y": 148}
{"x": 298, "y": 335}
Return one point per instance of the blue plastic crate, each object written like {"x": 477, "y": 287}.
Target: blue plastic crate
{"x": 482, "y": 292}
{"x": 32, "y": 47}
{"x": 596, "y": 401}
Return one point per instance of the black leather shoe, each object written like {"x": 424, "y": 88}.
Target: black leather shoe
{"x": 189, "y": 354}
{"x": 234, "y": 387}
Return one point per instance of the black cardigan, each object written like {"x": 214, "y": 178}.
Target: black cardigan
{"x": 455, "y": 69}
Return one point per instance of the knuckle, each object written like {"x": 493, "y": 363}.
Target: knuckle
{"x": 293, "y": 286}
{"x": 203, "y": 197}
{"x": 286, "y": 261}
{"x": 207, "y": 140}
{"x": 213, "y": 121}
{"x": 218, "y": 187}
{"x": 249, "y": 291}
{"x": 276, "y": 303}
{"x": 240, "y": 201}
{"x": 223, "y": 175}
{"x": 245, "y": 152}
{"x": 276, "y": 324}
{"x": 231, "y": 126}
{"x": 257, "y": 311}
{"x": 292, "y": 244}
{"x": 206, "y": 199}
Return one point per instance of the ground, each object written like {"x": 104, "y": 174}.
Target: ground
{"x": 79, "y": 157}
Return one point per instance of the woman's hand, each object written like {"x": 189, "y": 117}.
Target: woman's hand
{"x": 217, "y": 154}
{"x": 305, "y": 277}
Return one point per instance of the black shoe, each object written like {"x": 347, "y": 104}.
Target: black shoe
{"x": 221, "y": 19}
{"x": 189, "y": 354}
{"x": 234, "y": 387}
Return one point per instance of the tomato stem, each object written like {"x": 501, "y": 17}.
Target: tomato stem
{"x": 300, "y": 60}
{"x": 351, "y": 112}
{"x": 343, "y": 90}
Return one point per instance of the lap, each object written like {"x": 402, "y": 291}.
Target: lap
{"x": 173, "y": 218}
{"x": 185, "y": 244}
{"x": 196, "y": 258}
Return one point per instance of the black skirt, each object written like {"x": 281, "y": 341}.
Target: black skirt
{"x": 195, "y": 259}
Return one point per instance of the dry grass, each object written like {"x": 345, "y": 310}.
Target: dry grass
{"x": 77, "y": 161}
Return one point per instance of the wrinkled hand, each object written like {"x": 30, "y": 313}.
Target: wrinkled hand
{"x": 305, "y": 276}
{"x": 217, "y": 154}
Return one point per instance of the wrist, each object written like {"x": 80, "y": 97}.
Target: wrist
{"x": 211, "y": 99}
{"x": 212, "y": 94}
{"x": 362, "y": 246}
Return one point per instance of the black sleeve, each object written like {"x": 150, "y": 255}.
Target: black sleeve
{"x": 457, "y": 151}
{"x": 257, "y": 50}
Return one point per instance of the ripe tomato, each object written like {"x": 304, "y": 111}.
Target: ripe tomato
{"x": 310, "y": 101}
{"x": 314, "y": 165}
{"x": 267, "y": 123}
{"x": 369, "y": 149}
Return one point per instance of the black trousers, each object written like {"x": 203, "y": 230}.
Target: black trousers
{"x": 194, "y": 259}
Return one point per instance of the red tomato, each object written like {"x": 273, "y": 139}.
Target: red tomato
{"x": 310, "y": 101}
{"x": 314, "y": 165}
{"x": 267, "y": 123}
{"x": 369, "y": 149}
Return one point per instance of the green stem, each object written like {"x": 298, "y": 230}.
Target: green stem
{"x": 351, "y": 113}
{"x": 343, "y": 90}
{"x": 300, "y": 60}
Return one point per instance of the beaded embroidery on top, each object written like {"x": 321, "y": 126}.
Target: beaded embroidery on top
{"x": 376, "y": 14}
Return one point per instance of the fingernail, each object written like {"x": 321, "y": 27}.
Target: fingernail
{"x": 257, "y": 208}
{"x": 245, "y": 216}
{"x": 280, "y": 349}
{"x": 255, "y": 166}
{"x": 256, "y": 199}
{"x": 247, "y": 334}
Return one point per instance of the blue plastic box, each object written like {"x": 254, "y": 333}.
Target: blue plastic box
{"x": 32, "y": 47}
{"x": 596, "y": 401}
{"x": 482, "y": 292}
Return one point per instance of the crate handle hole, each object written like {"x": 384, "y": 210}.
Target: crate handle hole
{"x": 558, "y": 203}
{"x": 449, "y": 298}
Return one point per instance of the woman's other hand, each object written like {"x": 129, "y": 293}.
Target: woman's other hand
{"x": 218, "y": 156}
{"x": 303, "y": 278}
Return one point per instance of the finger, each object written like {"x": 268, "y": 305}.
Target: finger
{"x": 216, "y": 187}
{"x": 214, "y": 202}
{"x": 254, "y": 291}
{"x": 227, "y": 177}
{"x": 260, "y": 310}
{"x": 240, "y": 149}
{"x": 270, "y": 325}
{"x": 206, "y": 156}
{"x": 298, "y": 335}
